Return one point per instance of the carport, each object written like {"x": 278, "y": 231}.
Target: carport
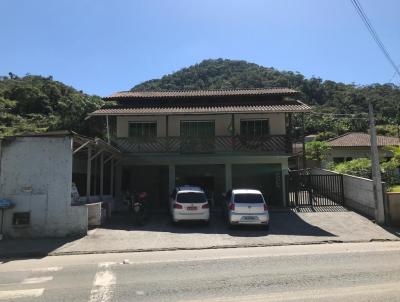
{"x": 94, "y": 163}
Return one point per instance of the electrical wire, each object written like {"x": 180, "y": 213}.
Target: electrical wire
{"x": 374, "y": 34}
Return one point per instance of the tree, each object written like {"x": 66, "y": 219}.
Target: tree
{"x": 38, "y": 104}
{"x": 317, "y": 151}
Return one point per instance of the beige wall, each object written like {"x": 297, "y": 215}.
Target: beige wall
{"x": 360, "y": 152}
{"x": 222, "y": 123}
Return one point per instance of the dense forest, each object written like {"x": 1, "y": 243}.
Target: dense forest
{"x": 35, "y": 103}
{"x": 38, "y": 104}
{"x": 328, "y": 97}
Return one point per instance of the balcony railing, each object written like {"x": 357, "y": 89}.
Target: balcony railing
{"x": 273, "y": 144}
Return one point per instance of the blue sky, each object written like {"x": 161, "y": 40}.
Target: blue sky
{"x": 101, "y": 46}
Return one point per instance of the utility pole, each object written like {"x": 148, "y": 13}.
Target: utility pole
{"x": 376, "y": 172}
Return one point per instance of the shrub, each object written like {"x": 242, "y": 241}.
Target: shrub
{"x": 317, "y": 151}
{"x": 358, "y": 167}
{"x": 362, "y": 167}
{"x": 324, "y": 136}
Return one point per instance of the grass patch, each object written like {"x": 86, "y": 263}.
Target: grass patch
{"x": 395, "y": 188}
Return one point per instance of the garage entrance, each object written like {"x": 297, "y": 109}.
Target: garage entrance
{"x": 150, "y": 179}
{"x": 211, "y": 178}
{"x": 264, "y": 177}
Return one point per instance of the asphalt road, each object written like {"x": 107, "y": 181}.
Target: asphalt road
{"x": 328, "y": 272}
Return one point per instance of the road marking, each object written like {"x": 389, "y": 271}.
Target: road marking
{"x": 37, "y": 280}
{"x": 17, "y": 294}
{"x": 103, "y": 283}
{"x": 106, "y": 264}
{"x": 304, "y": 295}
{"x": 48, "y": 269}
{"x": 36, "y": 270}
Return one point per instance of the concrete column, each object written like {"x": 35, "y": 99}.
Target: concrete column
{"x": 101, "y": 175}
{"x": 285, "y": 171}
{"x": 112, "y": 177}
{"x": 88, "y": 173}
{"x": 171, "y": 178}
{"x": 228, "y": 176}
{"x": 118, "y": 182}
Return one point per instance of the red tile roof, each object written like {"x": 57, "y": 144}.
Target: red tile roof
{"x": 293, "y": 106}
{"x": 201, "y": 93}
{"x": 356, "y": 139}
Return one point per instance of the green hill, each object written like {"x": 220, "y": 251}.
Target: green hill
{"x": 327, "y": 96}
{"x": 36, "y": 104}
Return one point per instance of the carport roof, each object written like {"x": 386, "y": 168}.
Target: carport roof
{"x": 78, "y": 140}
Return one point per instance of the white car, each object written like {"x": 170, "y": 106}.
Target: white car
{"x": 245, "y": 206}
{"x": 189, "y": 203}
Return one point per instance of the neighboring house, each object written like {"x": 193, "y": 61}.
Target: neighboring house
{"x": 354, "y": 145}
{"x": 216, "y": 139}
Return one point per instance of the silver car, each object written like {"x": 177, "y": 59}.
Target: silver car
{"x": 246, "y": 206}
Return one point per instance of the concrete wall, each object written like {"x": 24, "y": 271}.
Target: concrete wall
{"x": 36, "y": 174}
{"x": 277, "y": 123}
{"x": 393, "y": 199}
{"x": 94, "y": 214}
{"x": 358, "y": 192}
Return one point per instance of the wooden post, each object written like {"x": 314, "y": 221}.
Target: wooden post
{"x": 95, "y": 176}
{"x": 108, "y": 129}
{"x": 376, "y": 172}
{"x": 112, "y": 177}
{"x": 101, "y": 175}
{"x": 88, "y": 173}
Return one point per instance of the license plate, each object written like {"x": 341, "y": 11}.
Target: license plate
{"x": 249, "y": 218}
{"x": 192, "y": 208}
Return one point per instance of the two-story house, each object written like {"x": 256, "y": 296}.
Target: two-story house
{"x": 216, "y": 139}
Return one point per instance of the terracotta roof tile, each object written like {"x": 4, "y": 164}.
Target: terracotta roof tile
{"x": 294, "y": 106}
{"x": 356, "y": 139}
{"x": 200, "y": 93}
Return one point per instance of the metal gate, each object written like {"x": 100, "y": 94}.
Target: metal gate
{"x": 304, "y": 189}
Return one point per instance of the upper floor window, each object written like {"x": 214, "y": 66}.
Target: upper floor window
{"x": 254, "y": 127}
{"x": 142, "y": 129}
{"x": 198, "y": 128}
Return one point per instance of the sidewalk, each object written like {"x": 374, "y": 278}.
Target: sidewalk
{"x": 287, "y": 228}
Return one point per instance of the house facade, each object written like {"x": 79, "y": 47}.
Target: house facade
{"x": 216, "y": 139}
{"x": 355, "y": 145}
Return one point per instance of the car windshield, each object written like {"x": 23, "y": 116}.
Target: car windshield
{"x": 191, "y": 197}
{"x": 248, "y": 198}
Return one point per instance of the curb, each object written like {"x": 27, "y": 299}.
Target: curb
{"x": 41, "y": 254}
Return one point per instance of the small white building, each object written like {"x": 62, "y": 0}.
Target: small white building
{"x": 36, "y": 175}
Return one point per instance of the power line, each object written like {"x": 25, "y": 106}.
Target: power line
{"x": 374, "y": 34}
{"x": 393, "y": 76}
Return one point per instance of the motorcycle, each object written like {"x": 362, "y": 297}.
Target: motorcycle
{"x": 139, "y": 208}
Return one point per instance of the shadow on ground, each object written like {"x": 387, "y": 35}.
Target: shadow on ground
{"x": 32, "y": 248}
{"x": 281, "y": 223}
